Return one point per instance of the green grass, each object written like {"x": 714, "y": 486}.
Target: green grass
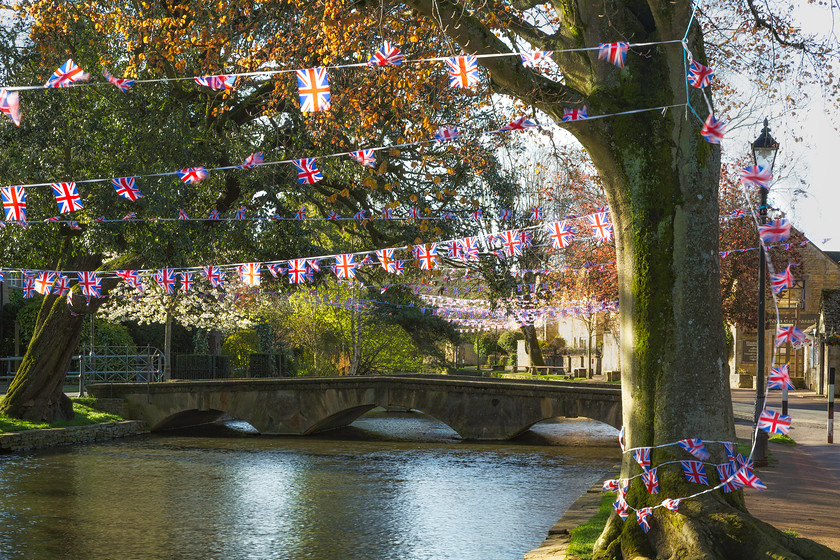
{"x": 790, "y": 533}
{"x": 85, "y": 416}
{"x": 583, "y": 537}
{"x": 783, "y": 439}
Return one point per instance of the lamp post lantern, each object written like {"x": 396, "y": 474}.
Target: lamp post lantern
{"x": 764, "y": 151}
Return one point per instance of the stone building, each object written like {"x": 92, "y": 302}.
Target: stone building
{"x": 827, "y": 344}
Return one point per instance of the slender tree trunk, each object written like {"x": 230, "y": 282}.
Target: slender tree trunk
{"x": 167, "y": 347}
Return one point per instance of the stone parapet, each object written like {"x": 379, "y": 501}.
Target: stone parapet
{"x": 32, "y": 439}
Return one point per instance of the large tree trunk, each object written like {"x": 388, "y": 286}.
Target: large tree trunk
{"x": 532, "y": 345}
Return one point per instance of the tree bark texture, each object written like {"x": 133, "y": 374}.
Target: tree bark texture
{"x": 532, "y": 345}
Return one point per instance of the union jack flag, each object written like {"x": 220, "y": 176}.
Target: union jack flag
{"x": 187, "y": 281}
{"x": 74, "y": 224}
{"x": 216, "y": 276}
{"x": 672, "y": 504}
{"x": 345, "y": 266}
{"x": 333, "y": 216}
{"x": 301, "y": 213}
{"x": 387, "y": 55}
{"x": 61, "y": 286}
{"x": 447, "y": 216}
{"x": 90, "y": 284}
{"x": 570, "y": 115}
{"x": 249, "y": 273}
{"x": 131, "y": 278}
{"x": 10, "y": 104}
{"x": 778, "y": 282}
{"x": 463, "y": 71}
{"x": 102, "y": 220}
{"x": 738, "y": 213}
{"x": 614, "y": 53}
{"x": 651, "y": 481}
{"x": 725, "y": 470}
{"x": 66, "y": 74}
{"x": 730, "y": 452}
{"x": 477, "y": 215}
{"x": 126, "y": 187}
{"x": 314, "y": 264}
{"x": 399, "y": 267}
{"x": 240, "y": 213}
{"x": 67, "y": 197}
{"x": 469, "y": 248}
{"x": 124, "y": 84}
{"x": 776, "y": 230}
{"x": 455, "y": 252}
{"x": 713, "y": 130}
{"x": 756, "y": 176}
{"x": 561, "y": 234}
{"x": 445, "y": 134}
{"x": 182, "y": 214}
{"x": 427, "y": 256}
{"x": 518, "y": 124}
{"x": 365, "y": 157}
{"x": 307, "y": 171}
{"x": 642, "y": 456}
{"x": 192, "y": 175}
{"x": 214, "y": 215}
{"x": 276, "y": 269}
{"x": 745, "y": 477}
{"x": 537, "y": 212}
{"x": 14, "y": 203}
{"x": 414, "y": 213}
{"x": 252, "y": 161}
{"x": 367, "y": 260}
{"x": 360, "y": 215}
{"x": 601, "y": 226}
{"x": 695, "y": 447}
{"x": 774, "y": 422}
{"x": 386, "y": 259}
{"x": 642, "y": 516}
{"x": 779, "y": 378}
{"x": 44, "y": 281}
{"x": 28, "y": 287}
{"x": 621, "y": 508}
{"x": 610, "y": 486}
{"x": 695, "y": 472}
{"x": 297, "y": 271}
{"x": 165, "y": 278}
{"x": 511, "y": 242}
{"x": 505, "y": 214}
{"x": 387, "y": 213}
{"x": 698, "y": 75}
{"x": 314, "y": 89}
{"x": 216, "y": 83}
{"x": 532, "y": 58}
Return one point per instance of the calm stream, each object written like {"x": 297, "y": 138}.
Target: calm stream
{"x": 391, "y": 486}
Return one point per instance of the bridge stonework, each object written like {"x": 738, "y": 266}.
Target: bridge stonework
{"x": 477, "y": 409}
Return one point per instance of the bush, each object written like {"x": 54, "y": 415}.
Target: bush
{"x": 485, "y": 345}
{"x": 239, "y": 346}
{"x": 508, "y": 341}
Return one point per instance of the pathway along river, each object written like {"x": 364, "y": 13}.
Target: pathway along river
{"x": 391, "y": 486}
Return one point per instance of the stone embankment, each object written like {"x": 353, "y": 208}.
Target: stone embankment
{"x": 32, "y": 439}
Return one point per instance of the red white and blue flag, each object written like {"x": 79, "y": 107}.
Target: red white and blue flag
{"x": 387, "y": 55}
{"x": 44, "y": 281}
{"x": 570, "y": 115}
{"x": 446, "y": 134}
{"x": 427, "y": 255}
{"x": 776, "y": 230}
{"x": 779, "y": 378}
{"x": 187, "y": 281}
{"x": 698, "y": 75}
{"x": 511, "y": 242}
{"x": 621, "y": 508}
{"x": 614, "y": 53}
{"x": 66, "y": 74}
{"x": 165, "y": 278}
{"x": 725, "y": 470}
{"x": 386, "y": 259}
{"x": 61, "y": 286}
{"x": 651, "y": 481}
{"x": 90, "y": 284}
{"x": 745, "y": 477}
{"x": 314, "y": 89}
{"x": 333, "y": 216}
{"x": 240, "y": 213}
{"x": 561, "y": 234}
{"x": 249, "y": 273}
{"x": 738, "y": 213}
{"x": 124, "y": 84}
{"x": 387, "y": 213}
{"x": 216, "y": 83}
{"x": 28, "y": 287}
{"x": 463, "y": 71}
{"x": 345, "y": 266}
{"x": 713, "y": 130}
{"x": 642, "y": 456}
{"x": 399, "y": 267}
{"x": 778, "y": 282}
{"x": 297, "y": 271}
{"x": 192, "y": 175}
{"x": 10, "y": 104}
{"x": 756, "y": 176}
{"x": 642, "y": 516}
{"x": 469, "y": 248}
{"x": 505, "y": 214}
{"x": 519, "y": 124}
{"x": 214, "y": 215}
{"x": 126, "y": 187}
{"x": 301, "y": 213}
{"x": 537, "y": 212}
{"x": 215, "y": 275}
{"x": 182, "y": 214}
{"x": 307, "y": 171}
{"x": 694, "y": 446}
{"x": 532, "y": 58}
{"x": 477, "y": 215}
{"x": 774, "y": 422}
{"x": 601, "y": 226}
{"x": 695, "y": 472}
{"x": 365, "y": 157}
{"x": 67, "y": 197}
{"x": 132, "y": 278}
{"x": 14, "y": 203}
{"x": 252, "y": 161}
{"x": 672, "y": 504}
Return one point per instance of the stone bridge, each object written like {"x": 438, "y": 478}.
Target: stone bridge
{"x": 477, "y": 409}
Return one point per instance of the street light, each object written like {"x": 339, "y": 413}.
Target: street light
{"x": 764, "y": 151}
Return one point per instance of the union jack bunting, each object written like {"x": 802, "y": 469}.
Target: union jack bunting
{"x": 365, "y": 157}
{"x": 561, "y": 234}
{"x": 332, "y": 216}
{"x": 61, "y": 286}
{"x": 651, "y": 481}
{"x": 745, "y": 477}
{"x": 621, "y": 508}
{"x": 526, "y": 238}
{"x": 301, "y": 213}
{"x": 360, "y": 215}
{"x": 14, "y": 203}
{"x": 694, "y": 446}
{"x": 399, "y": 267}
{"x": 90, "y": 284}
{"x": 779, "y": 378}
{"x": 387, "y": 213}
{"x": 455, "y": 252}
{"x": 367, "y": 260}
{"x": 642, "y": 456}
{"x": 124, "y": 84}
{"x": 698, "y": 75}
{"x": 126, "y": 187}
{"x": 756, "y": 176}
{"x": 614, "y": 53}
{"x": 216, "y": 83}
{"x": 672, "y": 504}
{"x": 463, "y": 71}
{"x": 469, "y": 248}
{"x": 610, "y": 486}
{"x": 445, "y": 134}
{"x": 73, "y": 224}
{"x": 67, "y": 197}
{"x": 725, "y": 470}
{"x": 252, "y": 161}
{"x": 215, "y": 275}
{"x": 532, "y": 58}
{"x": 776, "y": 230}
{"x": 729, "y": 447}
{"x": 642, "y": 516}
{"x": 505, "y": 214}
{"x": 778, "y": 282}
{"x": 387, "y": 55}
{"x": 102, "y": 219}
{"x": 447, "y": 216}
{"x": 345, "y": 266}
{"x": 314, "y": 265}
{"x": 28, "y": 287}
{"x": 742, "y": 461}
{"x": 276, "y": 269}
{"x": 66, "y": 74}
{"x": 774, "y": 422}
{"x": 165, "y": 278}
{"x": 511, "y": 242}
{"x": 695, "y": 472}
{"x": 297, "y": 271}
{"x": 307, "y": 171}
{"x": 518, "y": 124}
{"x": 43, "y": 282}
{"x": 192, "y": 175}
{"x": 536, "y": 212}
{"x": 386, "y": 259}
{"x": 738, "y": 213}
{"x": 182, "y": 214}
{"x": 790, "y": 334}
{"x": 240, "y": 213}
{"x": 314, "y": 89}
{"x": 713, "y": 130}
{"x": 414, "y": 213}
{"x": 601, "y": 226}
{"x": 10, "y": 104}
{"x": 477, "y": 215}
{"x": 131, "y": 277}
{"x": 187, "y": 281}
{"x": 570, "y": 115}
{"x": 249, "y": 273}
{"x": 427, "y": 255}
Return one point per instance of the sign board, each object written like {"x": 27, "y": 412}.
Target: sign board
{"x": 749, "y": 351}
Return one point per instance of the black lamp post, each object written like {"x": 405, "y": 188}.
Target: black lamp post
{"x": 764, "y": 151}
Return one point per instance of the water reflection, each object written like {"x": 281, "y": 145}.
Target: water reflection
{"x": 342, "y": 496}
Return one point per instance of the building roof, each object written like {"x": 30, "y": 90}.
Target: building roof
{"x": 831, "y": 311}
{"x": 833, "y": 255}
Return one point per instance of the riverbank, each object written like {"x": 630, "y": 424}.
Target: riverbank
{"x": 48, "y": 437}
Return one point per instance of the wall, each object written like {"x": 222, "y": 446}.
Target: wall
{"x": 31, "y": 439}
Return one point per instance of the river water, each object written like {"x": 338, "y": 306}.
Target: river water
{"x": 391, "y": 486}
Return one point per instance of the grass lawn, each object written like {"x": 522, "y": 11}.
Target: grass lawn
{"x": 584, "y": 536}
{"x": 85, "y": 415}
